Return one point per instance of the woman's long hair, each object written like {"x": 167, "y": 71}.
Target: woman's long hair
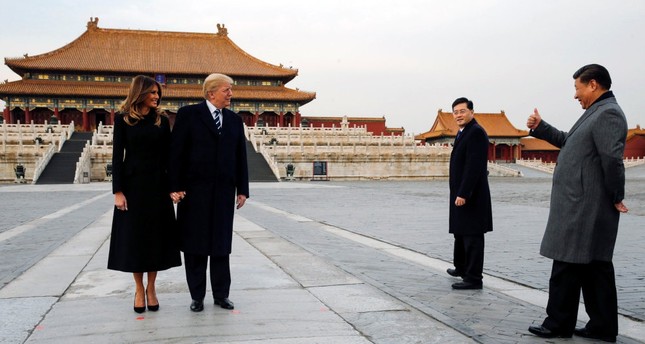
{"x": 131, "y": 107}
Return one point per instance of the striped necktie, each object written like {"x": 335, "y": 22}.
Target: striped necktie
{"x": 218, "y": 121}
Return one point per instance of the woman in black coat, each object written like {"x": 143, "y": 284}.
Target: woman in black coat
{"x": 143, "y": 228}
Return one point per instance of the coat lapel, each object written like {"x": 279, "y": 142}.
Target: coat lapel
{"x": 586, "y": 115}
{"x": 463, "y": 132}
{"x": 581, "y": 120}
{"x": 207, "y": 118}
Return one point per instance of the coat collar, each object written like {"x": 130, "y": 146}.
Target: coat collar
{"x": 463, "y": 131}
{"x": 603, "y": 99}
{"x": 206, "y": 117}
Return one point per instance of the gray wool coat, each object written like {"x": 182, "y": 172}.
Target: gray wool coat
{"x": 588, "y": 180}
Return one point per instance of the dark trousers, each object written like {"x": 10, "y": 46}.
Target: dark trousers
{"x": 469, "y": 256}
{"x": 598, "y": 285}
{"x": 220, "y": 274}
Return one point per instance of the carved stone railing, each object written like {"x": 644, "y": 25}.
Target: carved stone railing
{"x": 631, "y": 162}
{"x": 498, "y": 170}
{"x": 43, "y": 161}
{"x": 537, "y": 164}
{"x": 82, "y": 174}
{"x": 266, "y": 153}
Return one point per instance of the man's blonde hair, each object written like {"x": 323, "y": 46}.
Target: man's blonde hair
{"x": 215, "y": 80}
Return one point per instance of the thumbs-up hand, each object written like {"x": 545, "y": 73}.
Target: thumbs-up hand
{"x": 534, "y": 120}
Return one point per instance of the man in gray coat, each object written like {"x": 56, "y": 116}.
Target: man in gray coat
{"x": 586, "y": 202}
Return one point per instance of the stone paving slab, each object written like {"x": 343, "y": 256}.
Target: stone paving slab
{"x": 69, "y": 296}
{"x": 29, "y": 242}
{"x": 413, "y": 215}
{"x": 298, "y": 276}
{"x": 488, "y": 316}
{"x": 20, "y": 316}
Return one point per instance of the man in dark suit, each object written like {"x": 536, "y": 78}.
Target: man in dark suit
{"x": 471, "y": 213}
{"x": 586, "y": 202}
{"x": 208, "y": 177}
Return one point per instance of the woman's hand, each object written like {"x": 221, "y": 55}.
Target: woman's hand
{"x": 120, "y": 202}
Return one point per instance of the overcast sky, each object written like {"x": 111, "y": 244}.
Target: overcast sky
{"x": 402, "y": 59}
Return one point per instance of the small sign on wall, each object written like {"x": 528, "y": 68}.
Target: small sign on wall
{"x": 320, "y": 170}
{"x": 161, "y": 78}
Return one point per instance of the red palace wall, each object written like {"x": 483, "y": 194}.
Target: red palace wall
{"x": 635, "y": 147}
{"x": 376, "y": 128}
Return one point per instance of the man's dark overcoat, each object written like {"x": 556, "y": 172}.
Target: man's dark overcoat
{"x": 212, "y": 169}
{"x": 469, "y": 180}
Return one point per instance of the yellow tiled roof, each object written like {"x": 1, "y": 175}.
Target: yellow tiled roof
{"x": 533, "y": 144}
{"x": 635, "y": 132}
{"x": 495, "y": 124}
{"x": 150, "y": 52}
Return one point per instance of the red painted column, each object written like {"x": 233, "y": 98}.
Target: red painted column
{"x": 298, "y": 118}
{"x": 56, "y": 114}
{"x": 112, "y": 117}
{"x": 256, "y": 116}
{"x": 6, "y": 115}
{"x": 281, "y": 119}
{"x": 86, "y": 120}
{"x": 27, "y": 116}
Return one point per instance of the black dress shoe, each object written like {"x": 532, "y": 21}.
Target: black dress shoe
{"x": 544, "y": 332}
{"x": 467, "y": 285}
{"x": 585, "y": 333}
{"x": 454, "y": 273}
{"x": 224, "y": 303}
{"x": 197, "y": 306}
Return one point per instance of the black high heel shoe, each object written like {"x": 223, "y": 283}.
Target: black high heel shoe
{"x": 139, "y": 309}
{"x": 152, "y": 308}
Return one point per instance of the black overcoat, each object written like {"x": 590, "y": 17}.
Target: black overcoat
{"x": 469, "y": 179}
{"x": 144, "y": 238}
{"x": 212, "y": 169}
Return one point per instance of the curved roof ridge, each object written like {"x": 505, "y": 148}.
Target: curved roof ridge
{"x": 65, "y": 47}
{"x": 102, "y": 50}
{"x": 237, "y": 47}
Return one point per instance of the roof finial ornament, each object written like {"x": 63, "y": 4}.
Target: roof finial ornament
{"x": 221, "y": 30}
{"x": 93, "y": 23}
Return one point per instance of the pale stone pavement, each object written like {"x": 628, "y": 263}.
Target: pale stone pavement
{"x": 312, "y": 262}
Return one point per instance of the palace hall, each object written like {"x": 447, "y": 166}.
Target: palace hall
{"x": 85, "y": 81}
{"x": 504, "y": 138}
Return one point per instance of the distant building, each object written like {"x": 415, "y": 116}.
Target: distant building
{"x": 533, "y": 148}
{"x": 538, "y": 149}
{"x": 86, "y": 80}
{"x": 635, "y": 143}
{"x": 504, "y": 138}
{"x": 374, "y": 125}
